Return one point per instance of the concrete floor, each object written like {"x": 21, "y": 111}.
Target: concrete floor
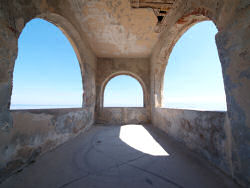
{"x": 114, "y": 156}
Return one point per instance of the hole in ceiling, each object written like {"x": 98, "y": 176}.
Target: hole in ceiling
{"x": 160, "y": 18}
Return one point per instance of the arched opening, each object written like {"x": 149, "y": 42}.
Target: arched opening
{"x": 47, "y": 72}
{"x": 123, "y": 91}
{"x": 193, "y": 77}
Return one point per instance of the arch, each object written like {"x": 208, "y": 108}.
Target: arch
{"x": 206, "y": 83}
{"x": 72, "y": 44}
{"x": 169, "y": 38}
{"x": 68, "y": 30}
{"x": 75, "y": 40}
{"x": 123, "y": 91}
{"x": 105, "y": 82}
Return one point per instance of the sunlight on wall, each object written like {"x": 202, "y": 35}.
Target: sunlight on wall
{"x": 123, "y": 91}
{"x": 47, "y": 73}
{"x": 193, "y": 76}
{"x": 137, "y": 137}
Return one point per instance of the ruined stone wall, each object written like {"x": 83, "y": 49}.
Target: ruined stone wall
{"x": 37, "y": 131}
{"x": 232, "y": 19}
{"x": 108, "y": 69}
{"x": 26, "y": 134}
{"x": 201, "y": 131}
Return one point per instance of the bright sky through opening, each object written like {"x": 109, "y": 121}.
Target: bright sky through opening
{"x": 47, "y": 73}
{"x": 193, "y": 76}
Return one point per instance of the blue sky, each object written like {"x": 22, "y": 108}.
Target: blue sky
{"x": 47, "y": 72}
{"x": 193, "y": 76}
{"x": 123, "y": 91}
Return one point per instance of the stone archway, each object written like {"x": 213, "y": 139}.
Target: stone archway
{"x": 75, "y": 40}
{"x": 192, "y": 74}
{"x": 232, "y": 28}
{"x": 11, "y": 49}
{"x": 105, "y": 82}
{"x": 161, "y": 59}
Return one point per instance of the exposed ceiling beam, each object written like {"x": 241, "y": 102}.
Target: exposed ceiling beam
{"x": 160, "y": 8}
{"x": 157, "y": 4}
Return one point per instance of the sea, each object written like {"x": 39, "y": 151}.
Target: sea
{"x": 31, "y": 106}
{"x": 187, "y": 106}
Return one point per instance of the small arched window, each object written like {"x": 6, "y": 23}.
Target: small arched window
{"x": 193, "y": 76}
{"x": 47, "y": 73}
{"x": 123, "y": 91}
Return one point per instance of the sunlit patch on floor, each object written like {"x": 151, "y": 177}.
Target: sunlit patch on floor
{"x": 138, "y": 137}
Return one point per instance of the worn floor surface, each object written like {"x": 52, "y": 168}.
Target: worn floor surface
{"x": 114, "y": 156}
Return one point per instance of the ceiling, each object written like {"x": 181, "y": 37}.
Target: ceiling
{"x": 114, "y": 29}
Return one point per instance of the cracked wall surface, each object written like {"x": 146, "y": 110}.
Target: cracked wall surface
{"x": 201, "y": 131}
{"x": 37, "y": 131}
{"x": 23, "y": 134}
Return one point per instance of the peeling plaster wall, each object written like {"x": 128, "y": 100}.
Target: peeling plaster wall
{"x": 122, "y": 116}
{"x": 232, "y": 19}
{"x": 203, "y": 132}
{"x": 37, "y": 131}
{"x": 26, "y": 134}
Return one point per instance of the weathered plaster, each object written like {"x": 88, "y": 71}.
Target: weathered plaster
{"x": 24, "y": 134}
{"x": 115, "y": 30}
{"x": 109, "y": 68}
{"x": 123, "y": 116}
{"x": 232, "y": 21}
{"x": 203, "y": 132}
{"x": 111, "y": 29}
{"x": 37, "y": 131}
